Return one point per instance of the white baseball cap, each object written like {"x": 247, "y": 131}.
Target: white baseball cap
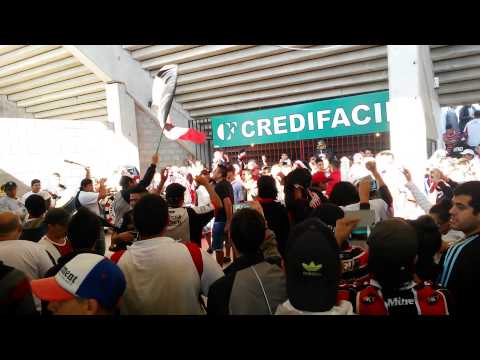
{"x": 468, "y": 152}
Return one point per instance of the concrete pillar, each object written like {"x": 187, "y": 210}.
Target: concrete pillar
{"x": 413, "y": 108}
{"x": 121, "y": 113}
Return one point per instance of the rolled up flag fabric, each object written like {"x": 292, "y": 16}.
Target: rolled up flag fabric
{"x": 163, "y": 90}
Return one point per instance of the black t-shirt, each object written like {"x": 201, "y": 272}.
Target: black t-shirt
{"x": 224, "y": 190}
{"x": 277, "y": 218}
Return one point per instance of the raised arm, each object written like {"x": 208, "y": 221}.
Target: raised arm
{"x": 420, "y": 197}
{"x": 102, "y": 190}
{"x": 163, "y": 180}
{"x": 214, "y": 198}
{"x": 88, "y": 174}
{"x": 382, "y": 187}
{"x": 150, "y": 173}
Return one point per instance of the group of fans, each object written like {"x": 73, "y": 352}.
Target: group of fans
{"x": 289, "y": 237}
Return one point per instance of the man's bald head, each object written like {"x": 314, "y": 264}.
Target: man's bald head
{"x": 10, "y": 227}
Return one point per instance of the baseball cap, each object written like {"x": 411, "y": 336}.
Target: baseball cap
{"x": 468, "y": 152}
{"x": 392, "y": 245}
{"x": 175, "y": 190}
{"x": 87, "y": 276}
{"x": 312, "y": 267}
{"x": 9, "y": 185}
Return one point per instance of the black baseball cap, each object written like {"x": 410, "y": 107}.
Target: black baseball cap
{"x": 57, "y": 216}
{"x": 312, "y": 267}
{"x": 175, "y": 190}
{"x": 393, "y": 247}
{"x": 9, "y": 185}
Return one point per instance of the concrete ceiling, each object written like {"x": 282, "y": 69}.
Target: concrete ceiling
{"x": 215, "y": 79}
{"x": 458, "y": 70}
{"x": 50, "y": 83}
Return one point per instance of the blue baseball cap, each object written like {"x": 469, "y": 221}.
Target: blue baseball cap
{"x": 86, "y": 276}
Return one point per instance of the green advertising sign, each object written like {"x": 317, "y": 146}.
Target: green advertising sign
{"x": 350, "y": 115}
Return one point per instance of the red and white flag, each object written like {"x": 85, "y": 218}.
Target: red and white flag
{"x": 163, "y": 90}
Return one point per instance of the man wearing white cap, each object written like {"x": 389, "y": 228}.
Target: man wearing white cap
{"x": 468, "y": 154}
{"x": 89, "y": 284}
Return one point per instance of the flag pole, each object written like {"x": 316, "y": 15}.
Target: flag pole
{"x": 160, "y": 140}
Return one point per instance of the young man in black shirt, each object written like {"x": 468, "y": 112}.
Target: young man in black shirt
{"x": 275, "y": 213}
{"x": 223, "y": 216}
{"x": 461, "y": 269}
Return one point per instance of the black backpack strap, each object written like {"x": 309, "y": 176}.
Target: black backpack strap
{"x": 51, "y": 258}
{"x": 77, "y": 202}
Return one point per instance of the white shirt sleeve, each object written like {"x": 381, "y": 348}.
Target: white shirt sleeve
{"x": 420, "y": 197}
{"x": 88, "y": 198}
{"x": 45, "y": 194}
{"x": 203, "y": 209}
{"x": 381, "y": 209}
{"x": 25, "y": 196}
{"x": 211, "y": 272}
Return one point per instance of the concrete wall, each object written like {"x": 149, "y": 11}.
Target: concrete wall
{"x": 34, "y": 148}
{"x": 148, "y": 130}
{"x": 10, "y": 109}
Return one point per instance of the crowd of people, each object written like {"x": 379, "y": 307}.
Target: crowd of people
{"x": 322, "y": 236}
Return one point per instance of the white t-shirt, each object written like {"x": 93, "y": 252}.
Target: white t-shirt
{"x": 13, "y": 205}
{"x": 47, "y": 244}
{"x": 342, "y": 308}
{"x": 378, "y": 205}
{"x": 203, "y": 196}
{"x": 163, "y": 280}
{"x": 90, "y": 201}
{"x": 26, "y": 256}
{"x": 473, "y": 130}
{"x": 42, "y": 193}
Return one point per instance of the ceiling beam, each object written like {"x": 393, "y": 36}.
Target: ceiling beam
{"x": 458, "y": 87}
{"x": 78, "y": 91}
{"x": 260, "y": 104}
{"x": 456, "y": 64}
{"x": 460, "y": 75}
{"x": 234, "y": 57}
{"x": 56, "y": 87}
{"x": 34, "y": 61}
{"x": 158, "y": 50}
{"x": 331, "y": 61}
{"x": 77, "y": 100}
{"x": 280, "y": 82}
{"x": 7, "y": 48}
{"x": 72, "y": 109}
{"x": 454, "y": 51}
{"x": 39, "y": 71}
{"x": 267, "y": 62}
{"x": 189, "y": 55}
{"x": 82, "y": 115}
{"x": 134, "y": 47}
{"x": 111, "y": 63}
{"x": 373, "y": 77}
{"x": 46, "y": 80}
{"x": 25, "y": 53}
